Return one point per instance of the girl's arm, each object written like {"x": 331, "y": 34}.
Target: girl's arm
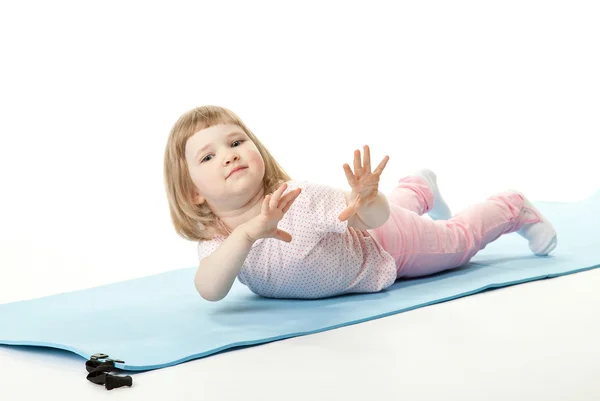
{"x": 217, "y": 272}
{"x": 369, "y": 216}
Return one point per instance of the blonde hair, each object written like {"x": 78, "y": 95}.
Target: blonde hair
{"x": 198, "y": 222}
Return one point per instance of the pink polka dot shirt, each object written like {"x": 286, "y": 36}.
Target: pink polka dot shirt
{"x": 325, "y": 257}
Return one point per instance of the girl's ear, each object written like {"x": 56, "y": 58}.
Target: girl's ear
{"x": 198, "y": 199}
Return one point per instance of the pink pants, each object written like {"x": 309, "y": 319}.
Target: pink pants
{"x": 422, "y": 246}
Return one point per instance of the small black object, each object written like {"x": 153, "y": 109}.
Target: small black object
{"x": 98, "y": 356}
{"x": 99, "y": 372}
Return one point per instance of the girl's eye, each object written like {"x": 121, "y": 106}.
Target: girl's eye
{"x": 205, "y": 157}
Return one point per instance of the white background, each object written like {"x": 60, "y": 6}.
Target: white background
{"x": 490, "y": 95}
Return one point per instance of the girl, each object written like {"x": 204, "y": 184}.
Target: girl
{"x": 284, "y": 238}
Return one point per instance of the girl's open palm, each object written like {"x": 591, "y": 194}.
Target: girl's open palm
{"x": 364, "y": 183}
{"x": 273, "y": 208}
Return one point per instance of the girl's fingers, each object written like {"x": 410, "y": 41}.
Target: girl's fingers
{"x": 277, "y": 195}
{"x": 357, "y": 166}
{"x": 284, "y": 236}
{"x": 290, "y": 200}
{"x": 359, "y": 203}
{"x": 347, "y": 213}
{"x": 289, "y": 195}
{"x": 265, "y": 205}
{"x": 350, "y": 176}
{"x": 350, "y": 209}
{"x": 381, "y": 166}
{"x": 367, "y": 160}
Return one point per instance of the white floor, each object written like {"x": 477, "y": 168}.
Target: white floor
{"x": 535, "y": 341}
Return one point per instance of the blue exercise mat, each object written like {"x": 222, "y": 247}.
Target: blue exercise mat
{"x": 160, "y": 320}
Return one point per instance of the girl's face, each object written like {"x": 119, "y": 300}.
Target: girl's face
{"x": 212, "y": 154}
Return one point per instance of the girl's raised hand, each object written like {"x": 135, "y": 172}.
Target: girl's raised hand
{"x": 273, "y": 208}
{"x": 364, "y": 183}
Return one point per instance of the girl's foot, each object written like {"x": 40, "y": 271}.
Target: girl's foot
{"x": 541, "y": 235}
{"x": 439, "y": 210}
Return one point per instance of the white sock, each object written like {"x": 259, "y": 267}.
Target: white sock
{"x": 440, "y": 210}
{"x": 541, "y": 235}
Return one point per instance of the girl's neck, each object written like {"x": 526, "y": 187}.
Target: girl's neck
{"x": 227, "y": 224}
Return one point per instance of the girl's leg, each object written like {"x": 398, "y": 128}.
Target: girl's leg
{"x": 419, "y": 193}
{"x": 421, "y": 246}
{"x": 413, "y": 197}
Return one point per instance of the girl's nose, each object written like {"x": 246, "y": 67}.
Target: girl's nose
{"x": 232, "y": 157}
